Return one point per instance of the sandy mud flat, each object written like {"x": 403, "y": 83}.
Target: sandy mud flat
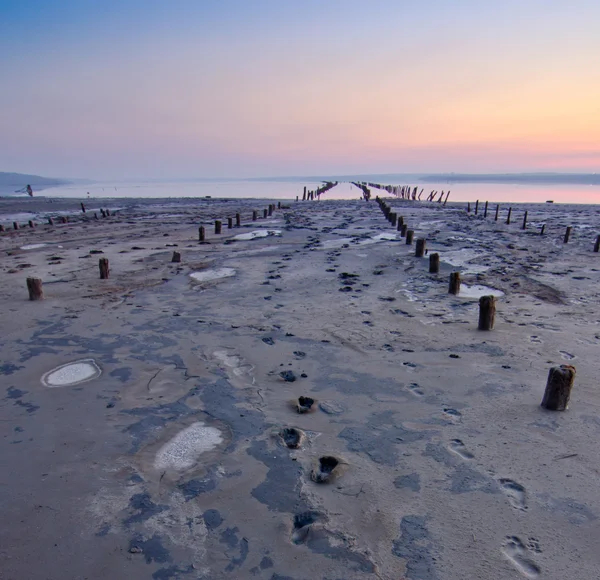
{"x": 298, "y": 398}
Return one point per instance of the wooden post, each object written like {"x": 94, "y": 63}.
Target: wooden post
{"x": 15, "y": 225}
{"x": 393, "y": 219}
{"x": 254, "y": 215}
{"x": 434, "y": 263}
{"x": 409, "y": 237}
{"x": 34, "y": 286}
{"x": 400, "y": 224}
{"x": 497, "y": 211}
{"x": 104, "y": 268}
{"x": 270, "y": 209}
{"x": 176, "y": 257}
{"x": 201, "y": 233}
{"x": 454, "y": 287}
{"x": 420, "y": 248}
{"x": 218, "y": 225}
{"x": 64, "y": 219}
{"x": 51, "y": 221}
{"x": 265, "y": 212}
{"x": 31, "y": 224}
{"x": 229, "y": 222}
{"x": 107, "y": 212}
{"x": 597, "y": 244}
{"x": 558, "y": 388}
{"x": 82, "y": 207}
{"x": 238, "y": 220}
{"x": 103, "y": 213}
{"x": 524, "y": 226}
{"x": 567, "y": 235}
{"x": 476, "y": 206}
{"x": 403, "y": 230}
{"x": 508, "y": 217}
{"x": 278, "y": 205}
{"x": 468, "y": 207}
{"x": 485, "y": 210}
{"x": 1, "y": 228}
{"x": 487, "y": 312}
{"x": 543, "y": 229}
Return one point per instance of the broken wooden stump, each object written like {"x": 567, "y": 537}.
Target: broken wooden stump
{"x": 420, "y": 248}
{"x": 487, "y": 312}
{"x": 34, "y": 286}
{"x": 218, "y": 225}
{"x": 558, "y": 388}
{"x": 434, "y": 263}
{"x": 31, "y": 224}
{"x": 524, "y": 225}
{"x": 176, "y": 257}
{"x": 409, "y": 237}
{"x": 454, "y": 286}
{"x": 104, "y": 268}
{"x": 567, "y": 235}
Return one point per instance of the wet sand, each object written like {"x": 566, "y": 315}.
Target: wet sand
{"x": 180, "y": 450}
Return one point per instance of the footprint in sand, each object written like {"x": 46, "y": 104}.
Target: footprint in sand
{"x": 514, "y": 549}
{"x": 458, "y": 447}
{"x": 415, "y": 389}
{"x": 566, "y": 355}
{"x": 515, "y": 492}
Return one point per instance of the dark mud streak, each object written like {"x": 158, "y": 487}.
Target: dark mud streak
{"x": 9, "y": 368}
{"x": 411, "y": 481}
{"x": 415, "y": 546}
{"x": 145, "y": 508}
{"x": 152, "y": 549}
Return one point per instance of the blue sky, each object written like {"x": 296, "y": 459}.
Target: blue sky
{"x": 202, "y": 88}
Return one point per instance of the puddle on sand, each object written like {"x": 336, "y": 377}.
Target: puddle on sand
{"x": 183, "y": 450}
{"x": 33, "y": 246}
{"x": 257, "y": 234}
{"x": 477, "y": 291}
{"x": 207, "y": 275}
{"x": 72, "y": 373}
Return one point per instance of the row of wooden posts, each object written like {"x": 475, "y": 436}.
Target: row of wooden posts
{"x": 310, "y": 195}
{"x": 410, "y": 193}
{"x": 560, "y": 379}
{"x": 61, "y": 219}
{"x": 268, "y": 211}
{"x": 566, "y": 237}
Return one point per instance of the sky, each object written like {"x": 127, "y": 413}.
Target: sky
{"x": 107, "y": 89}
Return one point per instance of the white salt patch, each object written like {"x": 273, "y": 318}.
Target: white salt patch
{"x": 463, "y": 259}
{"x": 182, "y": 452}
{"x": 257, "y": 234}
{"x": 72, "y": 373}
{"x": 32, "y": 246}
{"x": 207, "y": 275}
{"x": 234, "y": 362}
{"x": 383, "y": 237}
{"x": 477, "y": 291}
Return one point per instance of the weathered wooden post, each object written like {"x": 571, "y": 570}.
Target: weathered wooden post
{"x": 487, "y": 312}
{"x": 254, "y": 215}
{"x": 485, "y": 210}
{"x": 454, "y": 286}
{"x": 103, "y": 213}
{"x": 597, "y": 244}
{"x": 201, "y": 233}
{"x": 1, "y": 228}
{"x": 82, "y": 207}
{"x": 567, "y": 235}
{"x": 558, "y": 388}
{"x": 265, "y": 212}
{"x": 270, "y": 209}
{"x": 229, "y": 223}
{"x": 543, "y": 230}
{"x": 476, "y": 206}
{"x": 34, "y": 286}
{"x": 104, "y": 268}
{"x": 218, "y": 225}
{"x": 434, "y": 263}
{"x": 15, "y": 225}
{"x": 51, "y": 221}
{"x": 409, "y": 237}
{"x": 420, "y": 248}
{"x": 524, "y": 226}
{"x": 31, "y": 224}
{"x": 176, "y": 257}
{"x": 497, "y": 211}
{"x": 278, "y": 205}
{"x": 238, "y": 220}
{"x": 107, "y": 212}
{"x": 508, "y": 217}
{"x": 403, "y": 230}
{"x": 393, "y": 219}
{"x": 468, "y": 207}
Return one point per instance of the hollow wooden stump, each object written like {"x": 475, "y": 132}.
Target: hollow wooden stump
{"x": 508, "y": 217}
{"x": 434, "y": 263}
{"x": 420, "y": 248}
{"x": 487, "y": 312}
{"x": 497, "y": 211}
{"x": 597, "y": 244}
{"x": 104, "y": 268}
{"x": 403, "y": 230}
{"x": 524, "y": 226}
{"x": 567, "y": 235}
{"x": 201, "y": 233}
{"x": 238, "y": 220}
{"x": 176, "y": 257}
{"x": 34, "y": 286}
{"x": 218, "y": 225}
{"x": 454, "y": 286}
{"x": 229, "y": 223}
{"x": 265, "y": 212}
{"x": 558, "y": 388}
{"x": 409, "y": 237}
{"x": 254, "y": 215}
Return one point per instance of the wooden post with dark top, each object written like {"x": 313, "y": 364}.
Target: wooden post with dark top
{"x": 508, "y": 217}
{"x": 218, "y": 225}
{"x": 497, "y": 211}
{"x": 454, "y": 286}
{"x": 434, "y": 263}
{"x": 201, "y": 233}
{"x": 420, "y": 248}
{"x": 567, "y": 235}
{"x": 409, "y": 237}
{"x": 558, "y": 388}
{"x": 487, "y": 312}
{"x": 34, "y": 286}
{"x": 104, "y": 268}
{"x": 597, "y": 244}
{"x": 254, "y": 215}
{"x": 176, "y": 257}
{"x": 524, "y": 226}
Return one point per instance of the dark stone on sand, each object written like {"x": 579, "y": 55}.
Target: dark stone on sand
{"x": 411, "y": 481}
{"x": 212, "y": 519}
{"x": 268, "y": 340}
{"x": 288, "y": 376}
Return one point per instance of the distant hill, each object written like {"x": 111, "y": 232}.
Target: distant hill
{"x": 12, "y": 182}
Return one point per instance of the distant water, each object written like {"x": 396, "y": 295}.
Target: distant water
{"x": 289, "y": 189}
